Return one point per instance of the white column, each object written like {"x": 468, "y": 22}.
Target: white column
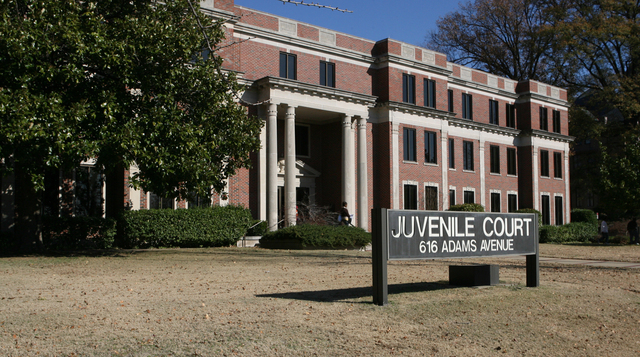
{"x": 395, "y": 166}
{"x": 535, "y": 173}
{"x": 363, "y": 197}
{"x": 290, "y": 166}
{"x": 348, "y": 163}
{"x": 272, "y": 167}
{"x": 444, "y": 149}
{"x": 262, "y": 166}
{"x": 483, "y": 194}
{"x": 567, "y": 189}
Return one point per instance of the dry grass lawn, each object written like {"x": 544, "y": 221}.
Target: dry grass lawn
{"x": 256, "y": 302}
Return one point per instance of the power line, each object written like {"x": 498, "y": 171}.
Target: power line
{"x": 301, "y": 2}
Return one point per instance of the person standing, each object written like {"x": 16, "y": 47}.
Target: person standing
{"x": 604, "y": 231}
{"x": 632, "y": 227}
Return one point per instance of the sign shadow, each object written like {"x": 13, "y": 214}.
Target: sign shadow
{"x": 336, "y": 295}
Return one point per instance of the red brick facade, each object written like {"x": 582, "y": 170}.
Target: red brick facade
{"x": 368, "y": 84}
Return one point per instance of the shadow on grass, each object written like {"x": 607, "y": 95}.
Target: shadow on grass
{"x": 210, "y": 251}
{"x": 335, "y": 295}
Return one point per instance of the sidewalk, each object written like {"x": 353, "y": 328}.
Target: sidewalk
{"x": 594, "y": 263}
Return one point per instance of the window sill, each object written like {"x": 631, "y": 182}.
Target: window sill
{"x": 495, "y": 174}
{"x": 409, "y": 162}
{"x": 508, "y": 175}
{"x": 470, "y": 171}
{"x": 430, "y": 164}
{"x": 558, "y": 178}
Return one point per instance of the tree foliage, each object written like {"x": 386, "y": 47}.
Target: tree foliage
{"x": 503, "y": 37}
{"x": 126, "y": 82}
{"x": 602, "y": 39}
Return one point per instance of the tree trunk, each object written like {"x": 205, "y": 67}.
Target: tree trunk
{"x": 115, "y": 192}
{"x": 28, "y": 213}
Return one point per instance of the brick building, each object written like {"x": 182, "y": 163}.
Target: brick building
{"x": 384, "y": 124}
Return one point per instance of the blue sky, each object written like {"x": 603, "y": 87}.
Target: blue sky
{"x": 403, "y": 20}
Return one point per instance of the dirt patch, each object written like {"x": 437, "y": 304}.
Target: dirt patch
{"x": 257, "y": 302}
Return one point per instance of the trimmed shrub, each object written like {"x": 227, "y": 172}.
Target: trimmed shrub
{"x": 531, "y": 210}
{"x": 584, "y": 215}
{"x": 184, "y": 228}
{"x": 77, "y": 233}
{"x": 553, "y": 234}
{"x": 467, "y": 207}
{"x": 8, "y": 244}
{"x": 572, "y": 232}
{"x": 257, "y": 228}
{"x": 581, "y": 231}
{"x": 309, "y": 235}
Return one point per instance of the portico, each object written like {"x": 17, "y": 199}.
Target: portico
{"x": 332, "y": 136}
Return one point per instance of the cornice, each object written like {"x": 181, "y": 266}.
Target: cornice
{"x": 483, "y": 87}
{"x": 487, "y": 128}
{"x": 528, "y": 96}
{"x": 221, "y": 14}
{"x": 547, "y": 135}
{"x": 391, "y": 58}
{"x": 257, "y": 32}
{"x": 415, "y": 109}
{"x": 315, "y": 90}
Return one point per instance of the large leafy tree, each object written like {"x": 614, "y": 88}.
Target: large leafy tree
{"x": 503, "y": 37}
{"x": 602, "y": 39}
{"x": 123, "y": 81}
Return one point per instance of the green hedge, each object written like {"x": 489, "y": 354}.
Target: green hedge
{"x": 531, "y": 210}
{"x": 78, "y": 233}
{"x": 257, "y": 228}
{"x": 572, "y": 232}
{"x": 467, "y": 207}
{"x": 584, "y": 215}
{"x": 321, "y": 236}
{"x": 200, "y": 227}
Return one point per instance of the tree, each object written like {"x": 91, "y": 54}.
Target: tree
{"x": 602, "y": 38}
{"x": 123, "y": 81}
{"x": 504, "y": 37}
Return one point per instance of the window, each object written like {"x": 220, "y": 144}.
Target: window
{"x": 408, "y": 88}
{"x": 469, "y": 197}
{"x": 409, "y": 144}
{"x": 467, "y": 106}
{"x": 546, "y": 218}
{"x": 452, "y": 197}
{"x": 467, "y": 155}
{"x": 556, "y": 121}
{"x": 511, "y": 162}
{"x": 452, "y": 157}
{"x": 544, "y": 163}
{"x": 495, "y": 202}
{"x": 558, "y": 207}
{"x": 511, "y": 116}
{"x": 494, "y": 159}
{"x": 430, "y": 147}
{"x": 544, "y": 123}
{"x": 431, "y": 198}
{"x": 410, "y": 197}
{"x": 512, "y": 202}
{"x": 493, "y": 112}
{"x": 327, "y": 74}
{"x": 288, "y": 65}
{"x": 557, "y": 165}
{"x": 429, "y": 93}
{"x": 302, "y": 140}
{"x": 450, "y": 97}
